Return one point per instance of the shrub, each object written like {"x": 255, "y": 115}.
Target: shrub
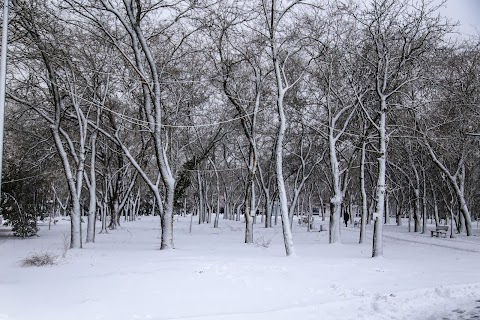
{"x": 23, "y": 223}
{"x": 264, "y": 240}
{"x": 39, "y": 259}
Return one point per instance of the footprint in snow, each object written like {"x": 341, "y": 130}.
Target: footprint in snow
{"x": 460, "y": 311}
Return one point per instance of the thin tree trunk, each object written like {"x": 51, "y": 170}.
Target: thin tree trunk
{"x": 363, "y": 221}
{"x": 92, "y": 207}
{"x": 268, "y": 211}
{"x": 417, "y": 209}
{"x": 387, "y": 209}
{"x": 377, "y": 250}
{"x": 424, "y": 203}
{"x": 310, "y": 213}
{"x": 435, "y": 208}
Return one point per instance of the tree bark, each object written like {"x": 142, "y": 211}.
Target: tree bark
{"x": 380, "y": 203}
{"x": 363, "y": 222}
{"x": 75, "y": 215}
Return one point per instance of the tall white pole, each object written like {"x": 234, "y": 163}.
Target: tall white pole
{"x": 3, "y": 76}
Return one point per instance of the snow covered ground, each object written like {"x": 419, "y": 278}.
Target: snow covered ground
{"x": 213, "y": 275}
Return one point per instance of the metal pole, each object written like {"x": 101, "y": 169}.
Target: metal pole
{"x": 3, "y": 78}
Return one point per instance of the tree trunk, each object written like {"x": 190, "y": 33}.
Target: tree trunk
{"x": 217, "y": 185}
{"x": 92, "y": 207}
{"x": 268, "y": 211}
{"x": 238, "y": 212}
{"x": 387, "y": 209}
{"x": 249, "y": 201}
{"x": 322, "y": 207}
{"x": 463, "y": 206}
{"x": 275, "y": 209}
{"x": 281, "y": 89}
{"x": 282, "y": 194}
{"x": 337, "y": 200}
{"x": 410, "y": 218}
{"x": 435, "y": 209}
{"x": 310, "y": 213}
{"x": 217, "y": 214}
{"x": 380, "y": 203}
{"x": 191, "y": 222}
{"x": 201, "y": 212}
{"x": 363, "y": 222}
{"x": 416, "y": 211}
{"x": 104, "y": 207}
{"x": 424, "y": 204}
{"x": 371, "y": 209}
{"x": 92, "y": 210}
{"x": 75, "y": 216}
{"x": 167, "y": 217}
{"x": 377, "y": 239}
{"x": 114, "y": 213}
{"x": 398, "y": 214}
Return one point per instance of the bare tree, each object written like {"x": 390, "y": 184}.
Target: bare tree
{"x": 275, "y": 14}
{"x": 63, "y": 95}
{"x": 397, "y": 37}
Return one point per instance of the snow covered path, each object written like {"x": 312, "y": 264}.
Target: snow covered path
{"x": 212, "y": 275}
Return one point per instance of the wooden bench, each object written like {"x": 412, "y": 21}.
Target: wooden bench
{"x": 439, "y": 231}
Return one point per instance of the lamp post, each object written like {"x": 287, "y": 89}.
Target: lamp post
{"x": 3, "y": 79}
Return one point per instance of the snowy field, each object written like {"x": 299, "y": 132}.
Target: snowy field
{"x": 212, "y": 275}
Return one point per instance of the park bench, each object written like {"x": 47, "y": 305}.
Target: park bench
{"x": 439, "y": 230}
{"x": 302, "y": 221}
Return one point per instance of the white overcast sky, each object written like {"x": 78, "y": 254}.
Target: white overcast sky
{"x": 467, "y": 12}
